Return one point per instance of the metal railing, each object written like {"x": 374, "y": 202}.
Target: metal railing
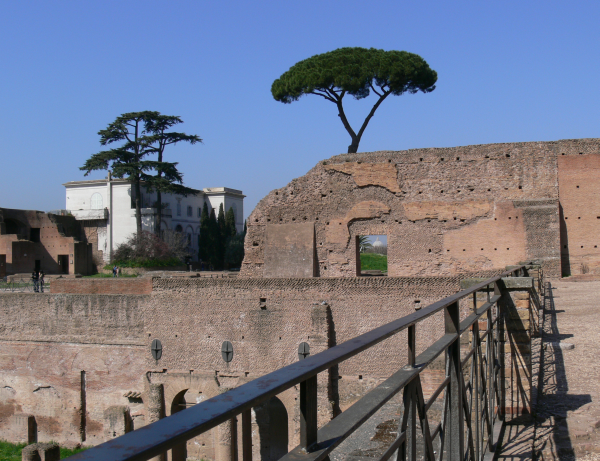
{"x": 20, "y": 285}
{"x": 472, "y": 409}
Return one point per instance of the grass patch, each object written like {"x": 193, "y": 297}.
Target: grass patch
{"x": 170, "y": 262}
{"x": 12, "y": 451}
{"x": 102, "y": 276}
{"x": 373, "y": 262}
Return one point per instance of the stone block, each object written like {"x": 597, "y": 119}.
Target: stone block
{"x": 520, "y": 295}
{"x": 41, "y": 452}
{"x": 522, "y": 303}
{"x": 518, "y": 283}
{"x": 117, "y": 421}
{"x": 23, "y": 428}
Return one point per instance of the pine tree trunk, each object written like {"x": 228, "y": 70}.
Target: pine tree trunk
{"x": 159, "y": 211}
{"x": 138, "y": 207}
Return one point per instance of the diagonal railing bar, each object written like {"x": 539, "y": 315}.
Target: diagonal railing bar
{"x": 457, "y": 417}
{"x": 427, "y": 438}
{"x": 339, "y": 428}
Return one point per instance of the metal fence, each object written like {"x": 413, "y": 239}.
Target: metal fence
{"x": 472, "y": 394}
{"x": 22, "y": 285}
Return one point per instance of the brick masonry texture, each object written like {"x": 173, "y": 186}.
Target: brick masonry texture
{"x": 119, "y": 286}
{"x": 79, "y": 358}
{"x": 74, "y": 361}
{"x": 56, "y": 242}
{"x": 445, "y": 211}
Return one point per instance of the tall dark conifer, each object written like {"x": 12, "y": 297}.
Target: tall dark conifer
{"x": 204, "y": 239}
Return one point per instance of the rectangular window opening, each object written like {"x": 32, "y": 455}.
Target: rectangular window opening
{"x": 371, "y": 255}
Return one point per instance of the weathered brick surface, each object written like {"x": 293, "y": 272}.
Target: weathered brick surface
{"x": 115, "y": 286}
{"x": 64, "y": 355}
{"x": 57, "y": 242}
{"x": 445, "y": 211}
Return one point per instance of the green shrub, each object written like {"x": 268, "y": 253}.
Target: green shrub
{"x": 12, "y": 451}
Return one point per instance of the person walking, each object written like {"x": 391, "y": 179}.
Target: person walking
{"x": 35, "y": 279}
{"x": 41, "y": 281}
{"x": 115, "y": 271}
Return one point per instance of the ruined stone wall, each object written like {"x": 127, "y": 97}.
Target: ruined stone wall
{"x": 67, "y": 355}
{"x": 117, "y": 286}
{"x": 53, "y": 237}
{"x": 579, "y": 181}
{"x": 445, "y": 211}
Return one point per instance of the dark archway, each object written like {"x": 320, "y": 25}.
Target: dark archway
{"x": 272, "y": 421}
{"x": 179, "y": 452}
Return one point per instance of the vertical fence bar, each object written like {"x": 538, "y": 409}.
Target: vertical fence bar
{"x": 308, "y": 413}
{"x": 455, "y": 435}
{"x": 410, "y": 402}
{"x": 247, "y": 435}
{"x": 500, "y": 351}
{"x": 489, "y": 350}
{"x": 476, "y": 379}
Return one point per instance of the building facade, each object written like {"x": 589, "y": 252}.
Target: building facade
{"x": 106, "y": 210}
{"x": 34, "y": 240}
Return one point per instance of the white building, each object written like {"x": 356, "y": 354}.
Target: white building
{"x": 108, "y": 212}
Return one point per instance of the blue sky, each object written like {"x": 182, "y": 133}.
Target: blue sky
{"x": 507, "y": 71}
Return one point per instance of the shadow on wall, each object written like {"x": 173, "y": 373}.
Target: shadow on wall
{"x": 565, "y": 261}
{"x": 272, "y": 421}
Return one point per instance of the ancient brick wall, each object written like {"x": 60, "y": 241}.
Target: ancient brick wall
{"x": 64, "y": 355}
{"x": 27, "y": 236}
{"x": 579, "y": 181}
{"x": 445, "y": 211}
{"x": 115, "y": 286}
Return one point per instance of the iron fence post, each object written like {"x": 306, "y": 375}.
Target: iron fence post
{"x": 247, "y": 435}
{"x": 454, "y": 437}
{"x": 308, "y": 412}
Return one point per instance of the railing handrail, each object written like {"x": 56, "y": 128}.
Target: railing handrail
{"x": 156, "y": 438}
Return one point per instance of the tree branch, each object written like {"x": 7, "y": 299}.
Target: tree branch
{"x": 324, "y": 96}
{"x": 342, "y": 115}
{"x": 366, "y": 122}
{"x": 374, "y": 90}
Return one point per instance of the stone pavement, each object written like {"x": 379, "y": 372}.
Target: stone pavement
{"x": 566, "y": 369}
{"x": 568, "y": 408}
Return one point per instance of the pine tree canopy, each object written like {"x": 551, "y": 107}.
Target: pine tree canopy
{"x": 358, "y": 72}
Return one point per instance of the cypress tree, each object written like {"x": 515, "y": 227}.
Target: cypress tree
{"x": 204, "y": 238}
{"x": 230, "y": 230}
{"x": 221, "y": 221}
{"x": 216, "y": 246}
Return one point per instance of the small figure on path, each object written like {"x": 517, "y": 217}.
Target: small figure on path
{"x": 41, "y": 280}
{"x": 115, "y": 268}
{"x": 35, "y": 279}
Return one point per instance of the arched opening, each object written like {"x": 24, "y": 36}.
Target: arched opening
{"x": 96, "y": 201}
{"x": 179, "y": 452}
{"x": 179, "y": 228}
{"x": 272, "y": 421}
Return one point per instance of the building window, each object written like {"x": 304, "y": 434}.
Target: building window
{"x": 189, "y": 239}
{"x": 189, "y": 211}
{"x": 178, "y": 208}
{"x": 96, "y": 202}
{"x": 199, "y": 212}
